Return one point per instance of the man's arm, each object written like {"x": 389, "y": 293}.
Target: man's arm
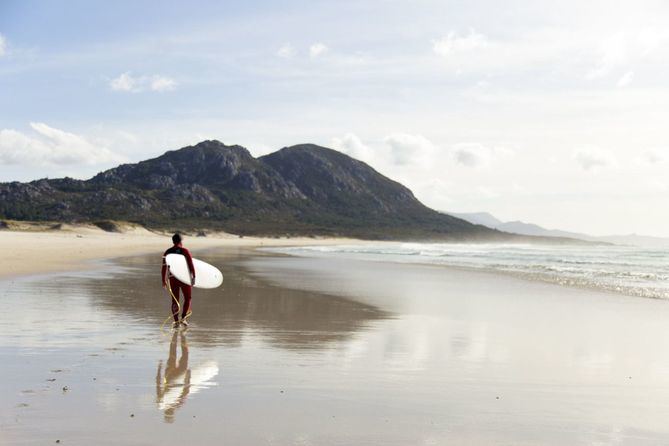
{"x": 163, "y": 270}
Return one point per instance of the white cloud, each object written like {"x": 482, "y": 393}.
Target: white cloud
{"x": 472, "y": 155}
{"x": 477, "y": 155}
{"x": 593, "y": 158}
{"x": 134, "y": 84}
{"x": 351, "y": 145}
{"x": 317, "y": 49}
{"x": 125, "y": 82}
{"x": 455, "y": 43}
{"x": 655, "y": 155}
{"x": 286, "y": 51}
{"x": 626, "y": 79}
{"x": 51, "y": 146}
{"x": 162, "y": 83}
{"x": 3, "y": 45}
{"x": 409, "y": 149}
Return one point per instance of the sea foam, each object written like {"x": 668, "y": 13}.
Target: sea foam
{"x": 628, "y": 270}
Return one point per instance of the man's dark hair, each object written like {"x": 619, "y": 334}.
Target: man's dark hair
{"x": 176, "y": 238}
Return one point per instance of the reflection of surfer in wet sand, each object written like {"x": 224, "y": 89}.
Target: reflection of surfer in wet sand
{"x": 178, "y": 381}
{"x": 173, "y": 388}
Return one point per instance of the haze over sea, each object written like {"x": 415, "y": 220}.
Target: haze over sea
{"x": 628, "y": 270}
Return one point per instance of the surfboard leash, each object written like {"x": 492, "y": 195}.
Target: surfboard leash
{"x": 168, "y": 287}
{"x": 174, "y": 298}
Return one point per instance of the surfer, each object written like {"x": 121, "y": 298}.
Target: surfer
{"x": 175, "y": 284}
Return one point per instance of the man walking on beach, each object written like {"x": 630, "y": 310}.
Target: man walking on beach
{"x": 173, "y": 285}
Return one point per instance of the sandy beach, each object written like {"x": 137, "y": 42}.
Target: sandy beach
{"x": 76, "y": 247}
{"x": 295, "y": 351}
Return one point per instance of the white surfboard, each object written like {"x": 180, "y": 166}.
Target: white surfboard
{"x": 206, "y": 275}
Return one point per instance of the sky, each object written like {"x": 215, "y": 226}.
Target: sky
{"x": 548, "y": 112}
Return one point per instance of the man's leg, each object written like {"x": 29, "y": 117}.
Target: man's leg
{"x": 175, "y": 285}
{"x": 186, "y": 289}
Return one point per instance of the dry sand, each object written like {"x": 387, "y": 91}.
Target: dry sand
{"x": 34, "y": 249}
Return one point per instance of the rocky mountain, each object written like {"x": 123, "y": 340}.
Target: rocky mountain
{"x": 303, "y": 189}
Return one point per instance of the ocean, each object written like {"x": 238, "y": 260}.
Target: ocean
{"x": 642, "y": 272}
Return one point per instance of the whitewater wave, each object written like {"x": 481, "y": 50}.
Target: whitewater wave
{"x": 628, "y": 270}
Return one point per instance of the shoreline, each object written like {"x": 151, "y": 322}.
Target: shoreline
{"x": 36, "y": 251}
{"x": 76, "y": 248}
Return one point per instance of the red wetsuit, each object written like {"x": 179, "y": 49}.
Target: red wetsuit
{"x": 176, "y": 284}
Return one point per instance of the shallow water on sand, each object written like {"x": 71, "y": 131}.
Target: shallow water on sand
{"x": 329, "y": 351}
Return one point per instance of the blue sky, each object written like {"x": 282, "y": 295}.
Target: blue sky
{"x": 544, "y": 112}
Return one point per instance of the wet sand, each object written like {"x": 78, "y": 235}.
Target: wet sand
{"x": 324, "y": 352}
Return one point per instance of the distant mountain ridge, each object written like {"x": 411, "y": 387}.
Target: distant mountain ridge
{"x": 478, "y": 218}
{"x": 530, "y": 229}
{"x": 299, "y": 190}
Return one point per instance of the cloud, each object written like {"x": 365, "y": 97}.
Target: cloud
{"x": 409, "y": 149}
{"x": 476, "y": 155}
{"x": 125, "y": 82}
{"x": 162, "y": 83}
{"x": 655, "y": 155}
{"x": 455, "y": 43}
{"x": 51, "y": 146}
{"x": 593, "y": 158}
{"x": 317, "y": 49}
{"x": 286, "y": 51}
{"x": 3, "y": 45}
{"x": 472, "y": 155}
{"x": 351, "y": 145}
{"x": 134, "y": 84}
{"x": 625, "y": 80}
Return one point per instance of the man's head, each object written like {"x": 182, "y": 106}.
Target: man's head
{"x": 176, "y": 238}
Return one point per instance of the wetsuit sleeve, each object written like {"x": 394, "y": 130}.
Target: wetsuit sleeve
{"x": 189, "y": 261}
{"x": 163, "y": 269}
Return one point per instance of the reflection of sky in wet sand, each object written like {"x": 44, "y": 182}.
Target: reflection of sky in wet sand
{"x": 301, "y": 351}
{"x": 242, "y": 310}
